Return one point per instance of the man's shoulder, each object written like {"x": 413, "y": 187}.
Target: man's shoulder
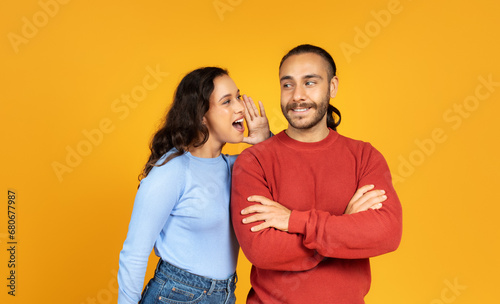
{"x": 259, "y": 153}
{"x": 354, "y": 143}
{"x": 361, "y": 149}
{"x": 264, "y": 147}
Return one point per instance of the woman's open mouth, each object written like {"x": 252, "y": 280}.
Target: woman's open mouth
{"x": 238, "y": 125}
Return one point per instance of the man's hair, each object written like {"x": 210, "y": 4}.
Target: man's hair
{"x": 331, "y": 72}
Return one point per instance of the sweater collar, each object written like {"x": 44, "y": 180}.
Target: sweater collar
{"x": 324, "y": 143}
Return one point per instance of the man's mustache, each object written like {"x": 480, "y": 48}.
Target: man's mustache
{"x": 295, "y": 105}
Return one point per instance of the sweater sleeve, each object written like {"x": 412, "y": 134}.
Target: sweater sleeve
{"x": 154, "y": 201}
{"x": 269, "y": 248}
{"x": 360, "y": 235}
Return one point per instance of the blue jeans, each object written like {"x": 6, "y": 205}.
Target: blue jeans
{"x": 174, "y": 285}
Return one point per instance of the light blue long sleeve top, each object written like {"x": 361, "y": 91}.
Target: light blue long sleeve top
{"x": 182, "y": 210}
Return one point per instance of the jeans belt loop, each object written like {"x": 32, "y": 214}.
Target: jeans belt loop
{"x": 229, "y": 282}
{"x": 212, "y": 287}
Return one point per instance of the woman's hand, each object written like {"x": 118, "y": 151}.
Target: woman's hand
{"x": 258, "y": 126}
{"x": 271, "y": 213}
{"x": 365, "y": 198}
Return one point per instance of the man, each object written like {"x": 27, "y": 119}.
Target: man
{"x": 314, "y": 245}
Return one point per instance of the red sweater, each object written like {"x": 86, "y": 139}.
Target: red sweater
{"x": 324, "y": 256}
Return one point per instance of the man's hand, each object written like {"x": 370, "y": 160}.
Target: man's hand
{"x": 365, "y": 198}
{"x": 272, "y": 213}
{"x": 258, "y": 126}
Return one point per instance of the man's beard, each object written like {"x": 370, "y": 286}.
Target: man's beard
{"x": 299, "y": 123}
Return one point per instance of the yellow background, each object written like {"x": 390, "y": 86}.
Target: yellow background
{"x": 406, "y": 68}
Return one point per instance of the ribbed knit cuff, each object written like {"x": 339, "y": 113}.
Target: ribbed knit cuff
{"x": 297, "y": 222}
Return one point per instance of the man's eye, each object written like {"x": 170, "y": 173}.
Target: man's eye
{"x": 287, "y": 85}
{"x": 309, "y": 83}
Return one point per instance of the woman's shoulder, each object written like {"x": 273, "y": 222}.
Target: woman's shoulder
{"x": 171, "y": 158}
{"x": 168, "y": 165}
{"x": 230, "y": 159}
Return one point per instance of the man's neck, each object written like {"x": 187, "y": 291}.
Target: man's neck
{"x": 313, "y": 134}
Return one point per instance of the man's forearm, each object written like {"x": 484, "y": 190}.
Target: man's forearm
{"x": 269, "y": 248}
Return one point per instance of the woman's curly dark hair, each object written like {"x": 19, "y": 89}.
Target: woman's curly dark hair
{"x": 183, "y": 125}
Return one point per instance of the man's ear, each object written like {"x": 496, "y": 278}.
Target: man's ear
{"x": 334, "y": 85}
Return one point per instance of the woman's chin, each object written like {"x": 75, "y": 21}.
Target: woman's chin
{"x": 235, "y": 139}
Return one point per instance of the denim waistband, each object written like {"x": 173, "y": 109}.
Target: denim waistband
{"x": 194, "y": 280}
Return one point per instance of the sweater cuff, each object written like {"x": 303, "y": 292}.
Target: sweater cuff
{"x": 298, "y": 221}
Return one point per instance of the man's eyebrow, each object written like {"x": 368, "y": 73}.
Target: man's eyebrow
{"x": 308, "y": 76}
{"x": 313, "y": 76}
{"x": 287, "y": 77}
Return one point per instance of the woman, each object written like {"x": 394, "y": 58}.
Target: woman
{"x": 182, "y": 204}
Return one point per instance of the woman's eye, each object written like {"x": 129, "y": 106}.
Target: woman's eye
{"x": 227, "y": 101}
{"x": 239, "y": 97}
